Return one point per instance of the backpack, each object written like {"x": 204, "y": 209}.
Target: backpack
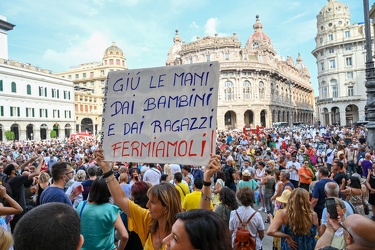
{"x": 8, "y": 188}
{"x": 243, "y": 239}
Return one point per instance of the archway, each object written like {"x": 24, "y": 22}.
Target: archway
{"x": 30, "y": 132}
{"x": 263, "y": 114}
{"x": 43, "y": 131}
{"x": 68, "y": 129}
{"x": 287, "y": 117}
{"x": 273, "y": 116}
{"x": 335, "y": 116}
{"x": 1, "y": 132}
{"x": 249, "y": 118}
{"x": 230, "y": 119}
{"x": 278, "y": 115}
{"x": 351, "y": 114}
{"x": 16, "y": 130}
{"x": 87, "y": 125}
{"x": 283, "y": 116}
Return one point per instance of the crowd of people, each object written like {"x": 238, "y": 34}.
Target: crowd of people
{"x": 57, "y": 189}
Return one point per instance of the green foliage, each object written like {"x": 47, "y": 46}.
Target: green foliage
{"x": 53, "y": 134}
{"x": 9, "y": 135}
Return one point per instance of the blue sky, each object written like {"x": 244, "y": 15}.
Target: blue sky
{"x": 56, "y": 35}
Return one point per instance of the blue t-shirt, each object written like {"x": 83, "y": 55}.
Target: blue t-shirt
{"x": 97, "y": 225}
{"x": 318, "y": 192}
{"x": 54, "y": 194}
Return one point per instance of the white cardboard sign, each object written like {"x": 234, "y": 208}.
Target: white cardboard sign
{"x": 161, "y": 115}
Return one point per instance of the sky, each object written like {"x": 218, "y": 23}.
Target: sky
{"x": 57, "y": 35}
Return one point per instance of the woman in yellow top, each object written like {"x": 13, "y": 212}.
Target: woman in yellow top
{"x": 154, "y": 223}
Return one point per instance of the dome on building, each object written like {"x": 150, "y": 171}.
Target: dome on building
{"x": 335, "y": 14}
{"x": 300, "y": 65}
{"x": 175, "y": 49}
{"x": 113, "y": 50}
{"x": 258, "y": 38}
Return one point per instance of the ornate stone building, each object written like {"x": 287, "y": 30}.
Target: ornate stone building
{"x": 89, "y": 81}
{"x": 257, "y": 86}
{"x": 341, "y": 57}
{"x": 33, "y": 101}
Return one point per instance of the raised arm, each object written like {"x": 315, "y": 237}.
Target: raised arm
{"x": 38, "y": 169}
{"x": 15, "y": 207}
{"x": 213, "y": 167}
{"x": 118, "y": 195}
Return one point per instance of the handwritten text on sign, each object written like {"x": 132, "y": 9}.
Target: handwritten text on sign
{"x": 161, "y": 115}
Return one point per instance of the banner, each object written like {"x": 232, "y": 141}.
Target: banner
{"x": 161, "y": 115}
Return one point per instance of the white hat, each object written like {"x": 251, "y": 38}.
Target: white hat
{"x": 246, "y": 173}
{"x": 268, "y": 149}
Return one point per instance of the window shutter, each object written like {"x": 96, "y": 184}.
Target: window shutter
{"x": 18, "y": 111}
{"x": 58, "y": 113}
{"x": 40, "y": 91}
{"x": 27, "y": 112}
{"x": 1, "y": 85}
{"x": 70, "y": 114}
{"x": 58, "y": 94}
{"x": 33, "y": 112}
{"x": 69, "y": 95}
{"x": 40, "y": 112}
{"x": 46, "y": 113}
{"x": 53, "y": 94}
{"x": 45, "y": 92}
{"x": 11, "y": 111}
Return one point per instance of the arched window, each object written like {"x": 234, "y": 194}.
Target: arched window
{"x": 246, "y": 90}
{"x": 229, "y": 91}
{"x": 14, "y": 87}
{"x": 261, "y": 90}
{"x": 28, "y": 89}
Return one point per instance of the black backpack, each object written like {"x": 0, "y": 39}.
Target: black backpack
{"x": 5, "y": 183}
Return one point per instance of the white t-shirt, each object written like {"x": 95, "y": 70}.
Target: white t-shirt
{"x": 256, "y": 223}
{"x": 294, "y": 173}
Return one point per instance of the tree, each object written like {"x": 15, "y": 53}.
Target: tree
{"x": 53, "y": 134}
{"x": 9, "y": 135}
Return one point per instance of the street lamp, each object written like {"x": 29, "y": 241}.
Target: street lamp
{"x": 370, "y": 80}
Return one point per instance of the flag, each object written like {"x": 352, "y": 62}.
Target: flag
{"x": 311, "y": 166}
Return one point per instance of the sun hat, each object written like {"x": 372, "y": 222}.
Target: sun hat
{"x": 284, "y": 196}
{"x": 246, "y": 173}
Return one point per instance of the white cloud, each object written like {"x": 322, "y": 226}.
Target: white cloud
{"x": 210, "y": 26}
{"x": 194, "y": 25}
{"x": 88, "y": 50}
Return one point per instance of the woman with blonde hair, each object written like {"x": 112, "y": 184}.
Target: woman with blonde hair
{"x": 6, "y": 239}
{"x": 154, "y": 223}
{"x": 43, "y": 182}
{"x": 124, "y": 183}
{"x": 298, "y": 223}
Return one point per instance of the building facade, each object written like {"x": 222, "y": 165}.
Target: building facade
{"x": 33, "y": 101}
{"x": 257, "y": 86}
{"x": 89, "y": 82}
{"x": 340, "y": 55}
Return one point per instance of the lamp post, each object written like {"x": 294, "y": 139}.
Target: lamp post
{"x": 370, "y": 80}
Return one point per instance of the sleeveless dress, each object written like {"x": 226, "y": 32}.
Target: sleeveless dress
{"x": 356, "y": 200}
{"x": 305, "y": 242}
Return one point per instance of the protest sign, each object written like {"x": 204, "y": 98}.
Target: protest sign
{"x": 161, "y": 115}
